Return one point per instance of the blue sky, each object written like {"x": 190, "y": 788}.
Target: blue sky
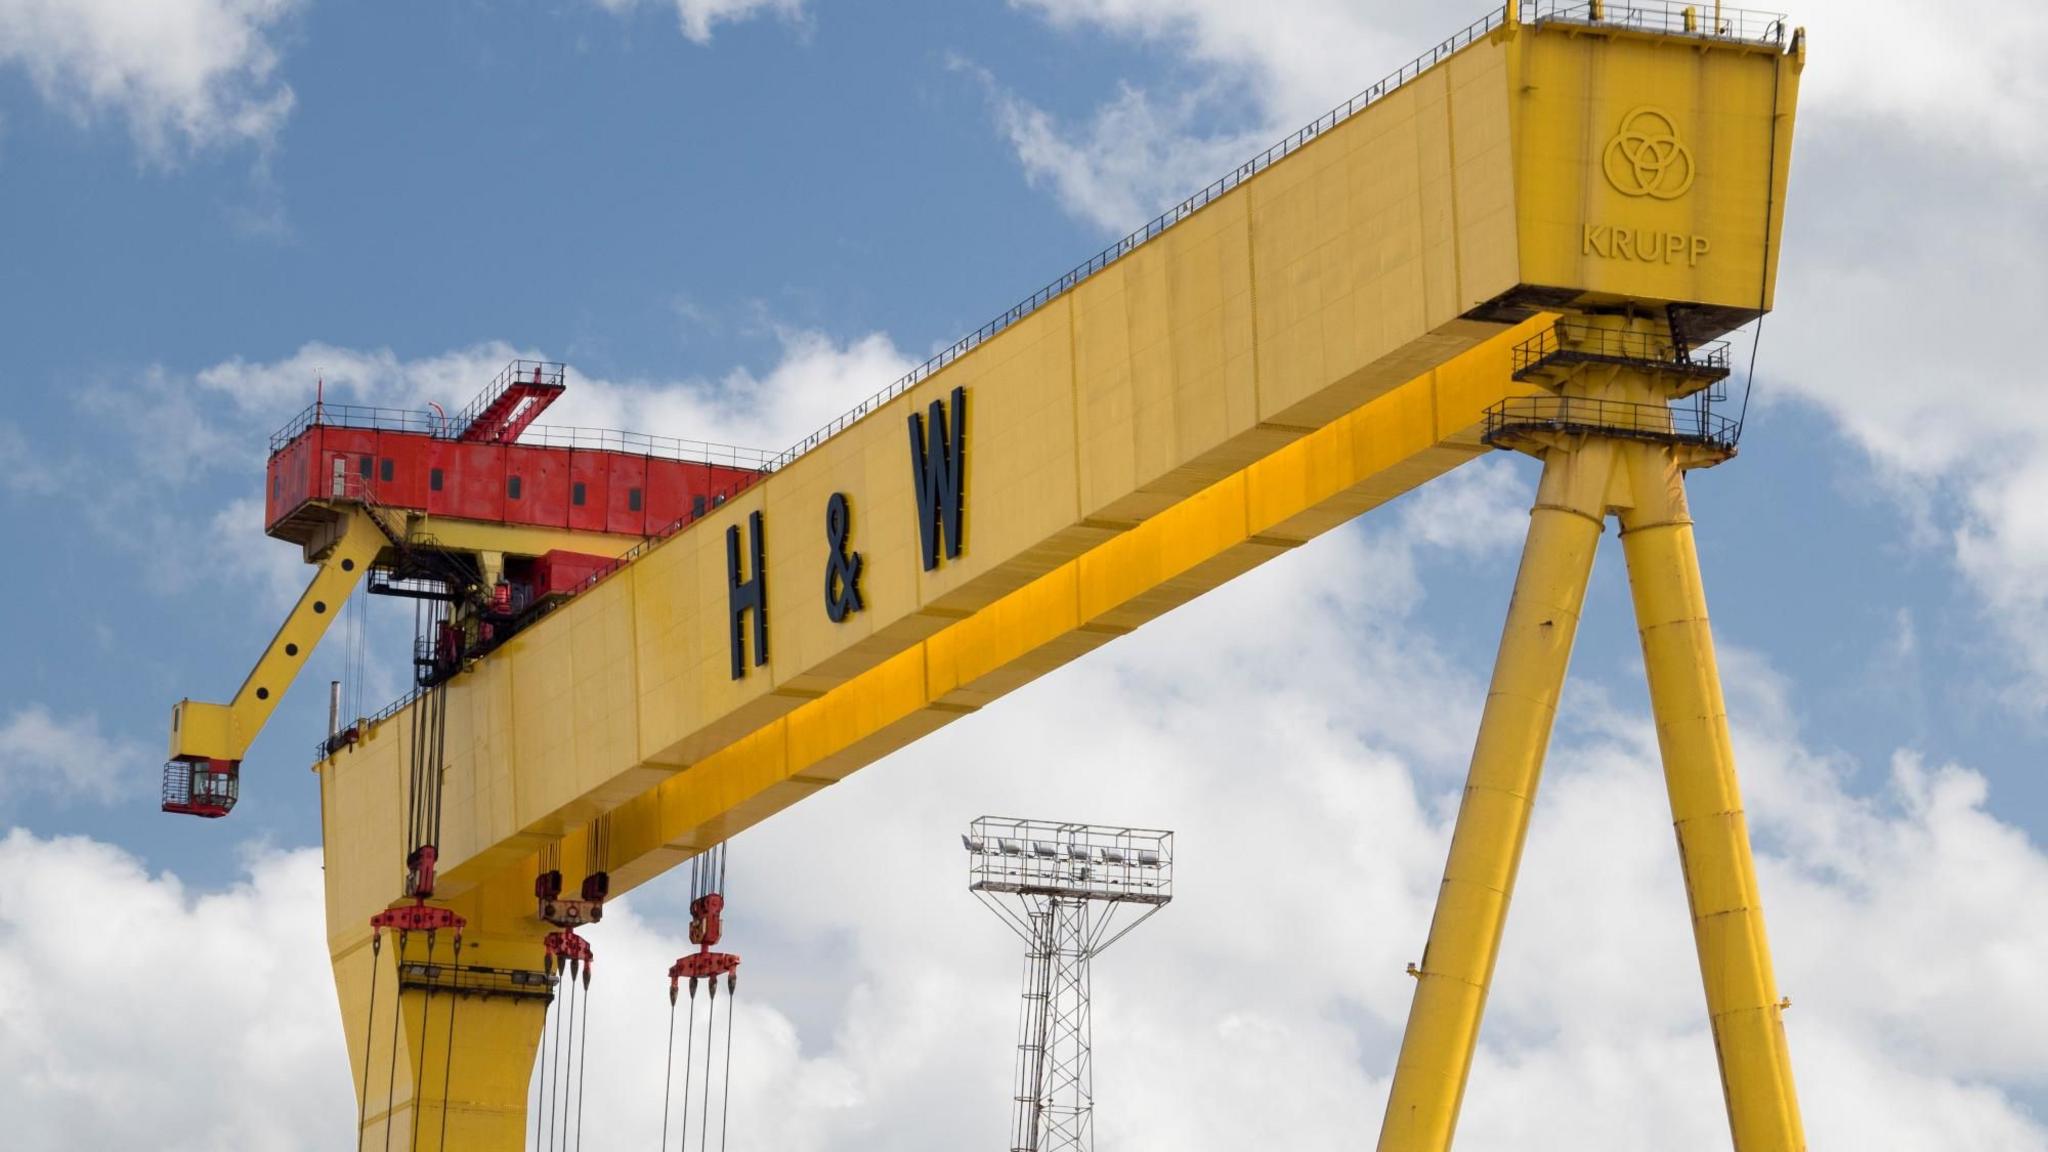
{"x": 734, "y": 219}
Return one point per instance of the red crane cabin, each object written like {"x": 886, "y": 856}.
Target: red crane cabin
{"x": 491, "y": 463}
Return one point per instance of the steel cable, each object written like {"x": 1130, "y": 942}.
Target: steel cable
{"x": 583, "y": 1059}
{"x": 419, "y": 1075}
{"x": 1764, "y": 277}
{"x": 397, "y": 1022}
{"x": 725, "y": 1103}
{"x": 710, "y": 1029}
{"x": 548, "y": 1077}
{"x": 689, "y": 1061}
{"x": 569, "y": 1066}
{"x": 369, "y": 1034}
{"x": 668, "y": 1070}
{"x": 448, "y": 1066}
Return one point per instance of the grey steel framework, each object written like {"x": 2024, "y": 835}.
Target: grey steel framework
{"x": 1070, "y": 890}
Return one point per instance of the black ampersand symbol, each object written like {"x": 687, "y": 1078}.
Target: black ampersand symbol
{"x": 842, "y": 569}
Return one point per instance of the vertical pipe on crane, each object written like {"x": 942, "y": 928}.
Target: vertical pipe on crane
{"x": 333, "y": 713}
{"x": 1493, "y": 820}
{"x": 1706, "y": 807}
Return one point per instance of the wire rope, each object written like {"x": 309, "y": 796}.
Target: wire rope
{"x": 369, "y": 1034}
{"x": 569, "y": 1069}
{"x": 548, "y": 1075}
{"x": 710, "y": 1029}
{"x": 565, "y": 1020}
{"x": 1763, "y": 277}
{"x": 448, "y": 1066}
{"x": 689, "y": 1062}
{"x": 725, "y": 1102}
{"x": 583, "y": 1059}
{"x": 419, "y": 1075}
{"x": 397, "y": 1022}
{"x": 668, "y": 1072}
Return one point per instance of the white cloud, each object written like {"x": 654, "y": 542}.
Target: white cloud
{"x": 1480, "y": 508}
{"x": 183, "y": 74}
{"x": 143, "y": 1014}
{"x": 22, "y": 471}
{"x": 814, "y": 379}
{"x": 277, "y": 390}
{"x": 242, "y": 549}
{"x": 1136, "y": 156}
{"x": 67, "y": 758}
{"x": 697, "y": 18}
{"x": 1950, "y": 77}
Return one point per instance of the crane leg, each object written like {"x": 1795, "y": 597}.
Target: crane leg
{"x": 1493, "y": 820}
{"x": 467, "y": 1053}
{"x": 1706, "y": 806}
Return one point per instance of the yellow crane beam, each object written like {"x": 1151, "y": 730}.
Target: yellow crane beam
{"x": 1323, "y": 334}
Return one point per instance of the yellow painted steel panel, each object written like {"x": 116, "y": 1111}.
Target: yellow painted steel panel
{"x": 1709, "y": 131}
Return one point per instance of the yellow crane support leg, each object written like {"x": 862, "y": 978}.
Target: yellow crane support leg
{"x": 1706, "y": 807}
{"x": 1493, "y": 820}
{"x": 443, "y": 1049}
{"x": 1641, "y": 479}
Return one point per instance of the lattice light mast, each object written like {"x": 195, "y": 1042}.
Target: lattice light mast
{"x": 1070, "y": 890}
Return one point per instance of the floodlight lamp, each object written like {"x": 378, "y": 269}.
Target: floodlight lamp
{"x": 1148, "y": 858}
{"x": 1113, "y": 856}
{"x": 971, "y": 844}
{"x": 1042, "y": 849}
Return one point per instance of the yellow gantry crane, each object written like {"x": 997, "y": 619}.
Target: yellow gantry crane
{"x": 1531, "y": 238}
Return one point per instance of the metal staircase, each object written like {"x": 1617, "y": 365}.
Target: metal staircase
{"x": 512, "y": 402}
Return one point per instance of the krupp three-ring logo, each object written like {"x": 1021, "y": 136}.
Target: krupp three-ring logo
{"x": 1646, "y": 158}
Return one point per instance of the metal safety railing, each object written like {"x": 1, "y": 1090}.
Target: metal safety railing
{"x": 427, "y": 423}
{"x": 325, "y": 415}
{"x": 1708, "y": 20}
{"x": 1571, "y": 342}
{"x": 1689, "y": 423}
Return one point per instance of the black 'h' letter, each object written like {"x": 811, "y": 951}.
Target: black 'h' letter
{"x": 744, "y": 594}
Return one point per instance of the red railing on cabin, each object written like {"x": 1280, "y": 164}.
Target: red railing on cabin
{"x": 581, "y": 479}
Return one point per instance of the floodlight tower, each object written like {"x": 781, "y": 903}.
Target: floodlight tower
{"x": 1064, "y": 888}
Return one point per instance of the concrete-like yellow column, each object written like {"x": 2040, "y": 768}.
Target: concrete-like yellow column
{"x": 1493, "y": 820}
{"x": 494, "y": 1038}
{"x": 1706, "y": 805}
